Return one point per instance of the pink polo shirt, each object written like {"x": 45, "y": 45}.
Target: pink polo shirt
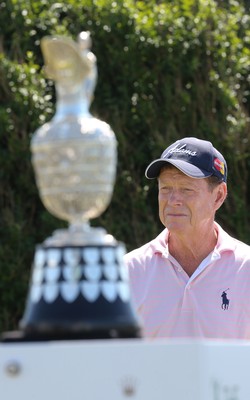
{"x": 213, "y": 303}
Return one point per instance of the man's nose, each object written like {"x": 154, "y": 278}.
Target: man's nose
{"x": 175, "y": 197}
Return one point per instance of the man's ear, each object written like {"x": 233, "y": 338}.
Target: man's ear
{"x": 221, "y": 194}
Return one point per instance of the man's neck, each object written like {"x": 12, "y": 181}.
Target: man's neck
{"x": 191, "y": 251}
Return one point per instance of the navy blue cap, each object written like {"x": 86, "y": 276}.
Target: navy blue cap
{"x": 194, "y": 157}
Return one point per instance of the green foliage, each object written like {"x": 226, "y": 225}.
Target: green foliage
{"x": 166, "y": 70}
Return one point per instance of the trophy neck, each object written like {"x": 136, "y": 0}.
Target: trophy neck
{"x": 74, "y": 103}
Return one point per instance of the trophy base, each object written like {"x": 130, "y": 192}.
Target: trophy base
{"x": 79, "y": 292}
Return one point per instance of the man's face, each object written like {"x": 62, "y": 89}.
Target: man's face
{"x": 187, "y": 205}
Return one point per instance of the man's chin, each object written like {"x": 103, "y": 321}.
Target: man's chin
{"x": 177, "y": 228}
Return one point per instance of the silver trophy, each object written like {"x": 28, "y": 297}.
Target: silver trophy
{"x": 79, "y": 285}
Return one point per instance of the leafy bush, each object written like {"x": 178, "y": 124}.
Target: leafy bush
{"x": 166, "y": 70}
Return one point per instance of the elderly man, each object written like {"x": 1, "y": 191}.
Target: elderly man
{"x": 193, "y": 280}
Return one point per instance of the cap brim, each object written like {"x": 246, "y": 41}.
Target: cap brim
{"x": 153, "y": 170}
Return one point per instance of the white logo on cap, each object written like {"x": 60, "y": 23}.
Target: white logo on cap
{"x": 181, "y": 149}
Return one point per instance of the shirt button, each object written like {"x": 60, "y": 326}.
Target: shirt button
{"x": 179, "y": 269}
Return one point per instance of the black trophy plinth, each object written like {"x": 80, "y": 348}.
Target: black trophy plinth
{"x": 79, "y": 292}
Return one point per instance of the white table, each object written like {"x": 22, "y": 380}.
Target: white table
{"x": 125, "y": 369}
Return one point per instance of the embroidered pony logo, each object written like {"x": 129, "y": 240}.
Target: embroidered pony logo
{"x": 225, "y": 300}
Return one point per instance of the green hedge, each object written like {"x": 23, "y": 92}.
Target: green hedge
{"x": 167, "y": 69}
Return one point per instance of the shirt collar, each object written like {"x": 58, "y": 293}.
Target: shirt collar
{"x": 160, "y": 243}
{"x": 224, "y": 241}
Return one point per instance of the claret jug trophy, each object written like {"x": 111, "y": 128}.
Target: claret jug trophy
{"x": 79, "y": 286}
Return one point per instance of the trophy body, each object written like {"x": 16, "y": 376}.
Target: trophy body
{"x": 79, "y": 285}
{"x": 75, "y": 160}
